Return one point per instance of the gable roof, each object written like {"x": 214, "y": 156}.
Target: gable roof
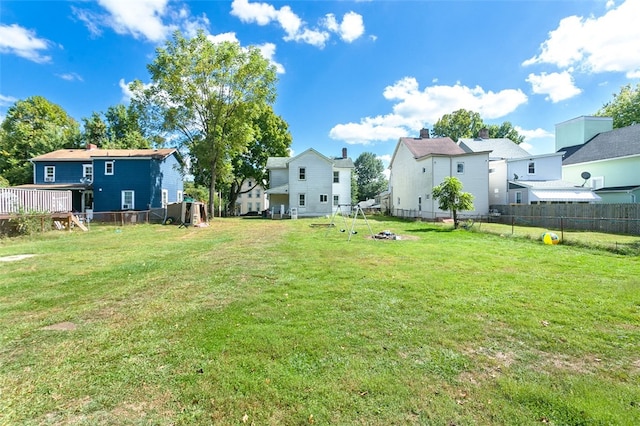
{"x": 501, "y": 148}
{"x": 89, "y": 154}
{"x": 422, "y": 147}
{"x": 615, "y": 143}
{"x": 282, "y": 162}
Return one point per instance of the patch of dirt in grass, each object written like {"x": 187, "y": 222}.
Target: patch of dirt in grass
{"x": 15, "y": 257}
{"x": 61, "y": 326}
{"x": 492, "y": 364}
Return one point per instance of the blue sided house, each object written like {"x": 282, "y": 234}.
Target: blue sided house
{"x": 103, "y": 180}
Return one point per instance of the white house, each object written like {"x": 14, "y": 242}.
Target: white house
{"x": 598, "y": 156}
{"x": 419, "y": 164}
{"x": 252, "y": 198}
{"x": 517, "y": 177}
{"x": 310, "y": 183}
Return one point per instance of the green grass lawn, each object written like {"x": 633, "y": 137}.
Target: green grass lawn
{"x": 280, "y": 322}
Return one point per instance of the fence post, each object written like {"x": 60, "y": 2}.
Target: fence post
{"x": 562, "y": 228}
{"x": 513, "y": 218}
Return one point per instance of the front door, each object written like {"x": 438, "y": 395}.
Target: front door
{"x": 87, "y": 202}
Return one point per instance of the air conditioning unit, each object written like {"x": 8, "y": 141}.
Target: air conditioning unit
{"x": 49, "y": 179}
{"x": 125, "y": 207}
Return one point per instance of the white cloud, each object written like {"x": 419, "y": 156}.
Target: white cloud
{"x": 6, "y": 101}
{"x": 140, "y": 18}
{"x": 534, "y": 133}
{"x": 414, "y": 108}
{"x": 608, "y": 43}
{"x": 268, "y": 51}
{"x": 71, "y": 76}
{"x": 219, "y": 38}
{"x": 22, "y": 42}
{"x": 558, "y": 86}
{"x": 351, "y": 27}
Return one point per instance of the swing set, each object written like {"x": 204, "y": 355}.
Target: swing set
{"x": 344, "y": 214}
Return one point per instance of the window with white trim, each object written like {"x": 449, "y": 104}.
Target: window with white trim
{"x": 87, "y": 172}
{"x": 460, "y": 168}
{"x": 165, "y": 198}
{"x": 518, "y": 197}
{"x": 531, "y": 168}
{"x": 49, "y": 173}
{"x": 302, "y": 173}
{"x": 336, "y": 177}
{"x": 324, "y": 198}
{"x": 336, "y": 200}
{"x": 128, "y": 197}
{"x": 179, "y": 196}
{"x": 109, "y": 167}
{"x": 302, "y": 200}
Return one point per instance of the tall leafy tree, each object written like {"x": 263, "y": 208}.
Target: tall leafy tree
{"x": 123, "y": 128}
{"x": 33, "y": 127}
{"x": 370, "y": 179}
{"x": 271, "y": 139}
{"x": 624, "y": 108}
{"x": 467, "y": 124}
{"x": 451, "y": 197}
{"x": 95, "y": 130}
{"x": 505, "y": 130}
{"x": 208, "y": 95}
{"x": 458, "y": 124}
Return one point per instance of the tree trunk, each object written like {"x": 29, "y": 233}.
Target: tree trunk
{"x": 212, "y": 191}
{"x": 455, "y": 219}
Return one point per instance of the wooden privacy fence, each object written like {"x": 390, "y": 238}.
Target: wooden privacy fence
{"x": 17, "y": 200}
{"x": 609, "y": 218}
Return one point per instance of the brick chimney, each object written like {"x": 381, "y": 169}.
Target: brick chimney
{"x": 483, "y": 133}
{"x": 344, "y": 152}
{"x": 424, "y": 133}
{"x": 91, "y": 146}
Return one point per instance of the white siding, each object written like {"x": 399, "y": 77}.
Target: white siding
{"x": 498, "y": 182}
{"x": 343, "y": 188}
{"x": 546, "y": 168}
{"x": 413, "y": 180}
{"x": 318, "y": 180}
{"x": 278, "y": 177}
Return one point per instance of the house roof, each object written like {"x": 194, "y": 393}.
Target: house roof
{"x": 564, "y": 196}
{"x": 282, "y": 162}
{"x": 422, "y": 147}
{"x": 616, "y": 143}
{"x": 282, "y": 189}
{"x": 89, "y": 154}
{"x": 628, "y": 188}
{"x": 501, "y": 148}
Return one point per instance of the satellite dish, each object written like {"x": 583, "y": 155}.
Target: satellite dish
{"x": 585, "y": 175}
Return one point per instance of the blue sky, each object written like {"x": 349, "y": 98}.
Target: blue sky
{"x": 355, "y": 74}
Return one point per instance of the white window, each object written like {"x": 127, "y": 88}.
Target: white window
{"x": 302, "y": 200}
{"x": 460, "y": 168}
{"x": 531, "y": 168}
{"x": 257, "y": 207}
{"x": 336, "y": 177}
{"x": 518, "y": 197}
{"x": 257, "y": 193}
{"x": 302, "y": 173}
{"x": 109, "y": 167}
{"x": 324, "y": 198}
{"x": 249, "y": 195}
{"x": 179, "y": 196}
{"x": 419, "y": 204}
{"x": 128, "y": 200}
{"x": 87, "y": 172}
{"x": 165, "y": 198}
{"x": 424, "y": 170}
{"x": 49, "y": 173}
{"x": 249, "y": 206}
{"x": 336, "y": 200}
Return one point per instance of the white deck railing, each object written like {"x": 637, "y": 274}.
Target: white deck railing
{"x": 16, "y": 200}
